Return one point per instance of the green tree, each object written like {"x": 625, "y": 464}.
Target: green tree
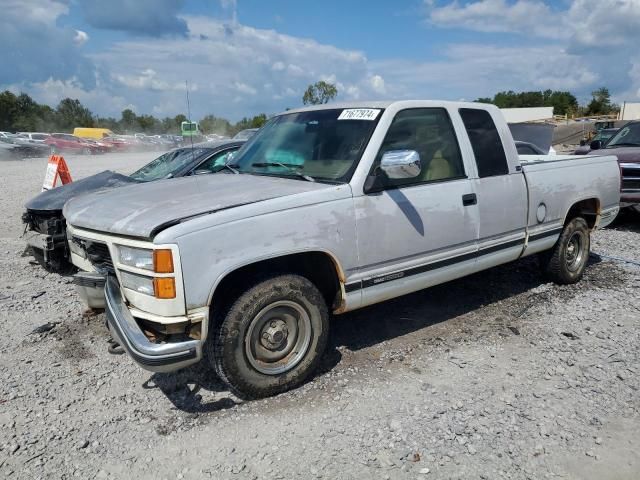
{"x": 8, "y": 110}
{"x": 70, "y": 113}
{"x": 253, "y": 122}
{"x": 562, "y": 102}
{"x": 600, "y": 102}
{"x": 178, "y": 119}
{"x": 319, "y": 93}
{"x": 128, "y": 120}
{"x": 213, "y": 124}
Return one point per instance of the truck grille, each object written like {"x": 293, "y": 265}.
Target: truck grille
{"x": 631, "y": 177}
{"x": 97, "y": 253}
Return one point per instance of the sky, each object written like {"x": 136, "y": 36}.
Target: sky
{"x": 239, "y": 58}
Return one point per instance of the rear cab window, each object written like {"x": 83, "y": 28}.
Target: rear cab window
{"x": 485, "y": 141}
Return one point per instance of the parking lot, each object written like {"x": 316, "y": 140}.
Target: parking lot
{"x": 497, "y": 375}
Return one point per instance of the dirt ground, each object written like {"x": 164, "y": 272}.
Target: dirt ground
{"x": 498, "y": 375}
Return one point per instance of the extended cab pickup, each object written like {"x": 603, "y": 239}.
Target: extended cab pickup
{"x": 325, "y": 210}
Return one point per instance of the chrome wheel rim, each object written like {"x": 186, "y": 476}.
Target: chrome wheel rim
{"x": 574, "y": 253}
{"x": 278, "y": 337}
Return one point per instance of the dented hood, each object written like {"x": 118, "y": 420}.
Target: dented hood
{"x": 144, "y": 210}
{"x": 53, "y": 200}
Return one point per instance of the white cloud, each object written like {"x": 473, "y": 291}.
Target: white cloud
{"x": 80, "y": 38}
{"x": 35, "y": 47}
{"x": 591, "y": 43}
{"x": 244, "y": 88}
{"x": 523, "y": 16}
{"x": 240, "y": 70}
{"x": 236, "y": 70}
{"x": 377, "y": 84}
{"x": 471, "y": 71}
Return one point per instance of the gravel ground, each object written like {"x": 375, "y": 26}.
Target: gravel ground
{"x": 497, "y": 375}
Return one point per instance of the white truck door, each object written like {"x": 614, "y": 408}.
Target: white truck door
{"x": 500, "y": 188}
{"x": 416, "y": 232}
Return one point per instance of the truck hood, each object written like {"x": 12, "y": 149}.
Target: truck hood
{"x": 53, "y": 200}
{"x": 624, "y": 154}
{"x": 144, "y": 210}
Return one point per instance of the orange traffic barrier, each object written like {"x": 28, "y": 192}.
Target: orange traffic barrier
{"x": 56, "y": 169}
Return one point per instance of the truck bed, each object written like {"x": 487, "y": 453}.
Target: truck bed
{"x": 560, "y": 178}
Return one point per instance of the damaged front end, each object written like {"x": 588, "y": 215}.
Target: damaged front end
{"x": 45, "y": 234}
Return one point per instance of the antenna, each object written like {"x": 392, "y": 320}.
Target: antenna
{"x": 186, "y": 83}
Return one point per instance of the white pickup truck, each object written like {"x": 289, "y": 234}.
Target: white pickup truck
{"x": 325, "y": 210}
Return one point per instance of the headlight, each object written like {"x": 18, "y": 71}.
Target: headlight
{"x": 159, "y": 261}
{"x": 137, "y": 283}
{"x": 136, "y": 257}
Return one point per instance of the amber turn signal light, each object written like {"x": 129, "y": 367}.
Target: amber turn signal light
{"x": 164, "y": 287}
{"x": 162, "y": 261}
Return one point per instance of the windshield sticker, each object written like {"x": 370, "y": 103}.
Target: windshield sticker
{"x": 359, "y": 114}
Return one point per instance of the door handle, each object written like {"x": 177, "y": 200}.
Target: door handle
{"x": 469, "y": 199}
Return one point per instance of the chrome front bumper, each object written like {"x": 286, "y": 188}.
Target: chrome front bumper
{"x": 90, "y": 287}
{"x": 156, "y": 357}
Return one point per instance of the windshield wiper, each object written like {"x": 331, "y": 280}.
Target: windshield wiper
{"x": 230, "y": 167}
{"x": 289, "y": 166}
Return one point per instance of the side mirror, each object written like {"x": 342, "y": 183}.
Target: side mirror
{"x": 596, "y": 145}
{"x": 398, "y": 164}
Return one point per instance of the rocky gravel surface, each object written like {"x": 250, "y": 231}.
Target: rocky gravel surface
{"x": 498, "y": 375}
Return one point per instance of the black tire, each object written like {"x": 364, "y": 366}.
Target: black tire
{"x": 53, "y": 150}
{"x": 86, "y": 151}
{"x": 566, "y": 261}
{"x": 235, "y": 345}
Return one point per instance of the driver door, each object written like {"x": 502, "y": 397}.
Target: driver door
{"x": 415, "y": 232}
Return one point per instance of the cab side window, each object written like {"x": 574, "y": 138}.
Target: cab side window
{"x": 215, "y": 162}
{"x": 429, "y": 132}
{"x": 485, "y": 141}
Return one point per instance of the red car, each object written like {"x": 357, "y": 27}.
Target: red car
{"x": 65, "y": 142}
{"x": 118, "y": 144}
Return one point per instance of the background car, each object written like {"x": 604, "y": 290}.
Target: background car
{"x": 625, "y": 145}
{"x": 604, "y": 135}
{"x": 33, "y": 136}
{"x": 45, "y": 224}
{"x": 14, "y": 146}
{"x": 65, "y": 142}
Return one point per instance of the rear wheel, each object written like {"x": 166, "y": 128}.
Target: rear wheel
{"x": 53, "y": 150}
{"x": 566, "y": 261}
{"x": 86, "y": 151}
{"x": 271, "y": 338}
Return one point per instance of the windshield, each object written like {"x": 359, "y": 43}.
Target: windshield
{"x": 627, "y": 136}
{"x": 169, "y": 164}
{"x": 323, "y": 144}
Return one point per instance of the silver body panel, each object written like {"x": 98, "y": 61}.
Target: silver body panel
{"x": 383, "y": 245}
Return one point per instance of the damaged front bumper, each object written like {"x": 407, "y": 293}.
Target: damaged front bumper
{"x": 156, "y": 357}
{"x": 45, "y": 234}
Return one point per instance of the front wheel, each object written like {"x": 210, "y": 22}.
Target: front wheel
{"x": 271, "y": 338}
{"x": 566, "y": 261}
